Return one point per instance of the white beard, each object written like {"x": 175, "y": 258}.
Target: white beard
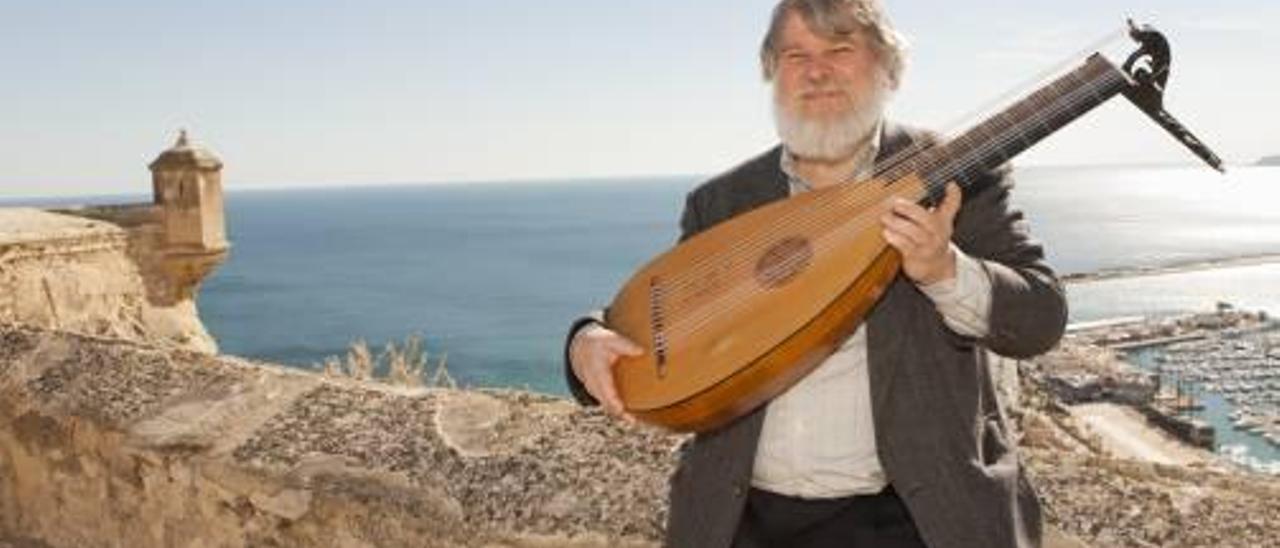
{"x": 830, "y": 138}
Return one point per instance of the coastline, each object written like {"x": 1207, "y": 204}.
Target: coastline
{"x": 1176, "y": 267}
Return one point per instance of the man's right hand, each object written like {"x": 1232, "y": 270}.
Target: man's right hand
{"x": 593, "y": 352}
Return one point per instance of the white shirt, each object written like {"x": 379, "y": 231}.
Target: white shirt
{"x": 818, "y": 438}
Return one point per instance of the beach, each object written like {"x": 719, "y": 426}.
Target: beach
{"x": 1126, "y": 434}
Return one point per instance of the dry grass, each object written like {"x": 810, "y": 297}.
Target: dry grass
{"x": 405, "y": 365}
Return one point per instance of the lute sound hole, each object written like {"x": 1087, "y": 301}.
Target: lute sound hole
{"x": 783, "y": 261}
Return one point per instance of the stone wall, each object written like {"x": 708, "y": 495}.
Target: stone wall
{"x": 115, "y": 443}
{"x": 100, "y": 271}
{"x": 112, "y": 443}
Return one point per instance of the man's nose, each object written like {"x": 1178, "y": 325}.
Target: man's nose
{"x": 817, "y": 70}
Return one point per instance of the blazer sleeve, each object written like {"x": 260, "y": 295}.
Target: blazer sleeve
{"x": 1028, "y": 306}
{"x": 690, "y": 224}
{"x": 691, "y": 219}
{"x": 576, "y": 387}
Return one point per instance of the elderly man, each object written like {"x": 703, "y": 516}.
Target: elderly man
{"x": 896, "y": 439}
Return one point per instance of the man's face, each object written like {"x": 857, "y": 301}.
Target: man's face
{"x": 820, "y": 79}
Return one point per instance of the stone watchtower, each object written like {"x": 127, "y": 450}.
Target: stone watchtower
{"x": 186, "y": 183}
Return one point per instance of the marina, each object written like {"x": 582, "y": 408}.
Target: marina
{"x": 1215, "y": 377}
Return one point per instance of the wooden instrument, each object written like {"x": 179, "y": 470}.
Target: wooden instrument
{"x": 734, "y": 316}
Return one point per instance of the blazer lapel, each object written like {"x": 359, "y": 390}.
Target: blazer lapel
{"x": 879, "y": 323}
{"x": 769, "y": 184}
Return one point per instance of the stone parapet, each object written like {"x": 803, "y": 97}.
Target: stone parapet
{"x": 114, "y": 443}
{"x": 105, "y": 272}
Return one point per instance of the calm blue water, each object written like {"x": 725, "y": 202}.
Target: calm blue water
{"x": 491, "y": 274}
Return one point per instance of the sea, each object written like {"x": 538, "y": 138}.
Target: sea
{"x": 492, "y": 274}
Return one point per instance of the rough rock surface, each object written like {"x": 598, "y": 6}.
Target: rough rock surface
{"x": 114, "y": 443}
{"x": 75, "y": 273}
{"x": 107, "y": 442}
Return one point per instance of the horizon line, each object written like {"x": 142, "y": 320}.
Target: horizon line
{"x": 577, "y": 179}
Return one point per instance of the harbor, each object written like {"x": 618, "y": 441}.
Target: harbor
{"x": 1210, "y": 380}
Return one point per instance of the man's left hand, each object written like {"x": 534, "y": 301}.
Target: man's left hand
{"x": 923, "y": 236}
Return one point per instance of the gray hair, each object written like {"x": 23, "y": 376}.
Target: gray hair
{"x": 833, "y": 19}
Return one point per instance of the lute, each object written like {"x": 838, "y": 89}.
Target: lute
{"x": 735, "y": 315}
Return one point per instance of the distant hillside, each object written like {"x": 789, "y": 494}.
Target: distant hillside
{"x": 1269, "y": 161}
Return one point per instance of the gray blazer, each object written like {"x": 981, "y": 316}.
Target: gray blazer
{"x": 940, "y": 435}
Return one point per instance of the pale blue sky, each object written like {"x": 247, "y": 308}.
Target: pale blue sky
{"x": 324, "y": 92}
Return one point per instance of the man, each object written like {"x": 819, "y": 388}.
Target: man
{"x": 896, "y": 439}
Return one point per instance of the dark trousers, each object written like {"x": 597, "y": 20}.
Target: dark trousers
{"x": 778, "y": 521}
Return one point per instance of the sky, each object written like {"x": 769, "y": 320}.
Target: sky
{"x": 292, "y": 93}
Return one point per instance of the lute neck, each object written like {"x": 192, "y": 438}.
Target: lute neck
{"x": 1002, "y": 136}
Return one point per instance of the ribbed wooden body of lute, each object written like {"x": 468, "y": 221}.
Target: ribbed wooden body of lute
{"x": 735, "y": 315}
